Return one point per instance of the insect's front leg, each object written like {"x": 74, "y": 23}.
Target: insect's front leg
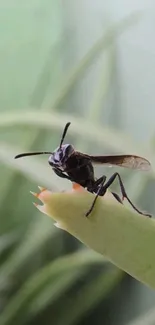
{"x": 97, "y": 188}
{"x": 94, "y": 187}
{"x": 60, "y": 173}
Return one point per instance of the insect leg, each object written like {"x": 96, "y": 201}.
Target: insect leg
{"x": 124, "y": 194}
{"x": 94, "y": 187}
{"x": 116, "y": 196}
{"x": 100, "y": 181}
{"x": 98, "y": 184}
{"x": 61, "y": 174}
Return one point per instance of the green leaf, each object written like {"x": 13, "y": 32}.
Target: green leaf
{"x": 83, "y": 258}
{"x": 21, "y": 302}
{"x": 8, "y": 239}
{"x": 89, "y": 296}
{"x": 108, "y": 136}
{"x": 38, "y": 234}
{"x": 145, "y": 319}
{"x": 104, "y": 84}
{"x": 124, "y": 237}
{"x": 106, "y": 40}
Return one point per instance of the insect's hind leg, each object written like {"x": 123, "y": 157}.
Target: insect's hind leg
{"x": 116, "y": 196}
{"x": 124, "y": 194}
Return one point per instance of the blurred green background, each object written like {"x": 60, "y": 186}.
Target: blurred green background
{"x": 84, "y": 62}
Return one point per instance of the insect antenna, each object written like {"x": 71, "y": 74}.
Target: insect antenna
{"x": 33, "y": 154}
{"x": 25, "y": 154}
{"x": 64, "y": 133}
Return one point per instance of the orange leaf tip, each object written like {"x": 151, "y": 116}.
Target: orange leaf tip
{"x": 41, "y": 188}
{"x": 34, "y": 194}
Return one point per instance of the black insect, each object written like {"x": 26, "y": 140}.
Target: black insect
{"x": 78, "y": 167}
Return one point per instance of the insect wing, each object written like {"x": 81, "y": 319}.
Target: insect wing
{"x": 127, "y": 161}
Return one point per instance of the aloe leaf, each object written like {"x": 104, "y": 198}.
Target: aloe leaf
{"x": 89, "y": 296}
{"x": 82, "y": 258}
{"x": 37, "y": 235}
{"x": 146, "y": 319}
{"x": 49, "y": 274}
{"x": 104, "y": 83}
{"x": 108, "y": 136}
{"x": 124, "y": 237}
{"x": 7, "y": 240}
{"x": 106, "y": 40}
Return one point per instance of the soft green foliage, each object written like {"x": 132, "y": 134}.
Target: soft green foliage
{"x": 43, "y": 278}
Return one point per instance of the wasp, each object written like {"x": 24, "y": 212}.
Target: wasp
{"x": 78, "y": 167}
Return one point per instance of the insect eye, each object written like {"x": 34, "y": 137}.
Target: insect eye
{"x": 58, "y": 157}
{"x": 62, "y": 156}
